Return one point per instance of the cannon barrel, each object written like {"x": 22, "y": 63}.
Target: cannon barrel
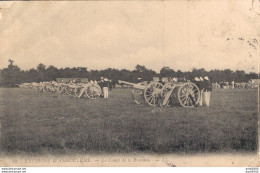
{"x": 124, "y": 82}
{"x": 137, "y": 86}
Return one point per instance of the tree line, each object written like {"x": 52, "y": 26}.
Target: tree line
{"x": 13, "y": 75}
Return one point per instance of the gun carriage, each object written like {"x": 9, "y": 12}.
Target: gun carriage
{"x": 89, "y": 90}
{"x": 80, "y": 90}
{"x": 160, "y": 94}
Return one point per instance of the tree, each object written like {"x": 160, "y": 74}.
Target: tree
{"x": 83, "y": 72}
{"x": 11, "y": 63}
{"x": 11, "y": 76}
{"x": 33, "y": 75}
{"x": 41, "y": 67}
{"x": 140, "y": 68}
{"x": 143, "y": 73}
{"x": 51, "y": 73}
{"x": 167, "y": 72}
{"x": 240, "y": 76}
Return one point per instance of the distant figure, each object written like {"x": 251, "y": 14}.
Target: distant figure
{"x": 233, "y": 84}
{"x": 198, "y": 82}
{"x": 105, "y": 91}
{"x": 201, "y": 87}
{"x": 175, "y": 79}
{"x": 222, "y": 85}
{"x": 207, "y": 90}
{"x": 105, "y": 88}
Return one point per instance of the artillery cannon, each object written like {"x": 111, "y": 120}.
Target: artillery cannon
{"x": 89, "y": 90}
{"x": 160, "y": 94}
{"x": 79, "y": 90}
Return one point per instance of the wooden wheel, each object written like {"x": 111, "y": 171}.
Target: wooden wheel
{"x": 48, "y": 87}
{"x": 188, "y": 95}
{"x": 30, "y": 86}
{"x": 77, "y": 91}
{"x": 45, "y": 88}
{"x": 56, "y": 88}
{"x": 70, "y": 89}
{"x": 39, "y": 88}
{"x": 93, "y": 91}
{"x": 152, "y": 93}
{"x": 61, "y": 89}
{"x": 138, "y": 96}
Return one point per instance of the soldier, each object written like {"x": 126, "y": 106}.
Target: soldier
{"x": 196, "y": 79}
{"x": 233, "y": 84}
{"x": 208, "y": 90}
{"x": 199, "y": 84}
{"x": 201, "y": 87}
{"x": 175, "y": 79}
{"x": 105, "y": 88}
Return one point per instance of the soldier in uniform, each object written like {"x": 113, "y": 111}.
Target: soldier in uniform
{"x": 233, "y": 84}
{"x": 105, "y": 88}
{"x": 200, "y": 86}
{"x": 208, "y": 90}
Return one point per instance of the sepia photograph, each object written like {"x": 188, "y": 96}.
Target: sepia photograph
{"x": 129, "y": 83}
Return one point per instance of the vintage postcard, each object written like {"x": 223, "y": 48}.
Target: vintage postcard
{"x": 129, "y": 83}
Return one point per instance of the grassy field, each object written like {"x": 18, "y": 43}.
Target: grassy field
{"x": 45, "y": 123}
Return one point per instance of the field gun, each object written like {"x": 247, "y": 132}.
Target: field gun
{"x": 80, "y": 90}
{"x": 89, "y": 90}
{"x": 134, "y": 85}
{"x": 158, "y": 93}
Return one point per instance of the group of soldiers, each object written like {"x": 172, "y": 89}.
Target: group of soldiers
{"x": 233, "y": 85}
{"x": 205, "y": 87}
{"x": 105, "y": 84}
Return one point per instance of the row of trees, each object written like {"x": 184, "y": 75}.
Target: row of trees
{"x": 13, "y": 75}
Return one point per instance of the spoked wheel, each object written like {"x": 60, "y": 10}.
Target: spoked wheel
{"x": 34, "y": 88}
{"x": 68, "y": 90}
{"x": 56, "y": 88}
{"x": 188, "y": 95}
{"x": 77, "y": 91}
{"x": 138, "y": 96}
{"x": 45, "y": 88}
{"x": 152, "y": 93}
{"x": 48, "y": 88}
{"x": 39, "y": 88}
{"x": 30, "y": 87}
{"x": 60, "y": 89}
{"x": 93, "y": 91}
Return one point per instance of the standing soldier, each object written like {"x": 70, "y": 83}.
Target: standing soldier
{"x": 233, "y": 84}
{"x": 208, "y": 90}
{"x": 200, "y": 86}
{"x": 105, "y": 88}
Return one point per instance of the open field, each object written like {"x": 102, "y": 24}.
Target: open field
{"x": 44, "y": 123}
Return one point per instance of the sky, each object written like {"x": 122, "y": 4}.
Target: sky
{"x": 114, "y": 34}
